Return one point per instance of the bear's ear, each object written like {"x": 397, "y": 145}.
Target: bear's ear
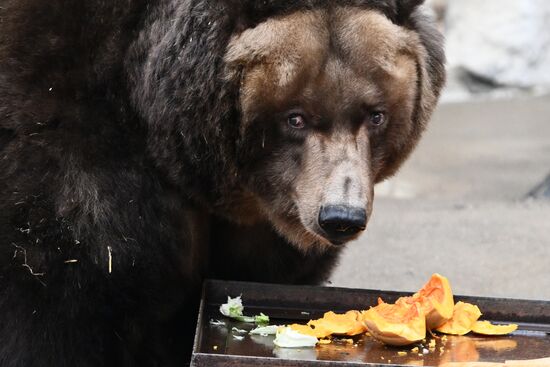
{"x": 405, "y": 8}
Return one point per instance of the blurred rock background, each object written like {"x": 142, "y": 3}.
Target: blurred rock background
{"x": 473, "y": 202}
{"x": 495, "y": 48}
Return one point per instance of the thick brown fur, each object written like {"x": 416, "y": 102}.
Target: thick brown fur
{"x": 132, "y": 166}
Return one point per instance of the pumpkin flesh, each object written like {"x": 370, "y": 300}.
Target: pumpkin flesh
{"x": 486, "y": 328}
{"x": 436, "y": 300}
{"x": 396, "y": 324}
{"x": 349, "y": 324}
{"x": 464, "y": 317}
{"x": 318, "y": 332}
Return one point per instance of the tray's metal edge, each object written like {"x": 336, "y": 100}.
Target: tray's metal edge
{"x": 214, "y": 360}
{"x": 198, "y": 334}
{"x": 231, "y": 284}
{"x": 463, "y": 297}
{"x": 217, "y": 282}
{"x": 238, "y": 287}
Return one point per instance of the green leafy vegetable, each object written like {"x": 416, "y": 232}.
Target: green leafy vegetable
{"x": 234, "y": 309}
{"x": 261, "y": 319}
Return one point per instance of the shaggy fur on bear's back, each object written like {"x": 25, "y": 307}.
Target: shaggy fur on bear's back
{"x": 117, "y": 134}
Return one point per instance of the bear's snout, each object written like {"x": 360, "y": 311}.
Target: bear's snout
{"x": 340, "y": 222}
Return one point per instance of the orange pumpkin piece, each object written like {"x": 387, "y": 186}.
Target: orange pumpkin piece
{"x": 396, "y": 324}
{"x": 486, "y": 328}
{"x": 350, "y": 323}
{"x": 317, "y": 332}
{"x": 436, "y": 299}
{"x": 308, "y": 330}
{"x": 464, "y": 317}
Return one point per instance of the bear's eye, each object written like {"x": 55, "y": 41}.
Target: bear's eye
{"x": 377, "y": 118}
{"x": 297, "y": 121}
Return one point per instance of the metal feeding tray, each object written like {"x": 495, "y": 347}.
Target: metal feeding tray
{"x": 216, "y": 345}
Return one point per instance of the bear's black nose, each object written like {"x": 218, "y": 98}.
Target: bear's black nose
{"x": 341, "y": 222}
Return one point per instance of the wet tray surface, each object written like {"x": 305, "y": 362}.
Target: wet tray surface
{"x": 215, "y": 345}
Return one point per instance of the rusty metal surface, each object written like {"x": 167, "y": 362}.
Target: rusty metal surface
{"x": 217, "y": 345}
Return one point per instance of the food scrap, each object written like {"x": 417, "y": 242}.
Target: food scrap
{"x": 396, "y": 324}
{"x": 350, "y": 323}
{"x": 261, "y": 319}
{"x": 217, "y": 323}
{"x": 234, "y": 309}
{"x": 465, "y": 315}
{"x": 486, "y": 328}
{"x": 317, "y": 332}
{"x": 265, "y": 330}
{"x": 286, "y": 337}
{"x": 436, "y": 300}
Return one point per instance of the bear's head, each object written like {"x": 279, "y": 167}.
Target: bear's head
{"x": 286, "y": 112}
{"x": 332, "y": 101}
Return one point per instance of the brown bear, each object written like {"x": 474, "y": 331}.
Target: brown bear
{"x": 147, "y": 145}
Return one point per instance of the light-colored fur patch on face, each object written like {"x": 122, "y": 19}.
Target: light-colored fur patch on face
{"x": 371, "y": 42}
{"x": 327, "y": 62}
{"x": 278, "y": 57}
